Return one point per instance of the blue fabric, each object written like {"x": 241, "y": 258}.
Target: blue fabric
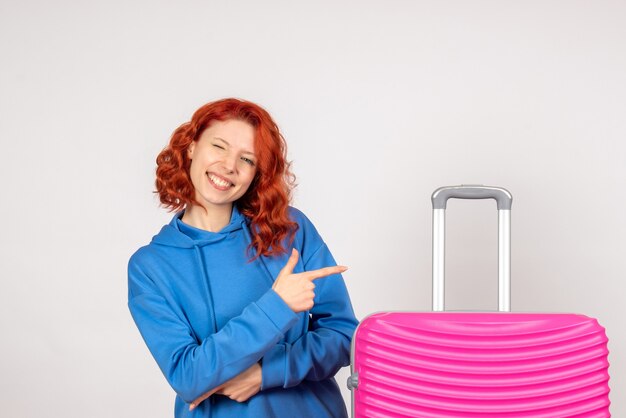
{"x": 207, "y": 314}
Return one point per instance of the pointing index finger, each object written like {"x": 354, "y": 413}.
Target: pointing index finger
{"x": 324, "y": 272}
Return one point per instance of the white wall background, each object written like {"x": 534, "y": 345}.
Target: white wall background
{"x": 380, "y": 101}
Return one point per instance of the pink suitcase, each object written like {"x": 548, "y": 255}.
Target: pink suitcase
{"x": 478, "y": 364}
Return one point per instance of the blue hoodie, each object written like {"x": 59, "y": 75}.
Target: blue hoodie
{"x": 207, "y": 314}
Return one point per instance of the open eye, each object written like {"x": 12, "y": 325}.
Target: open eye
{"x": 247, "y": 161}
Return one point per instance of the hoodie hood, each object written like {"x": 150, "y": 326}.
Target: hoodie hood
{"x": 181, "y": 235}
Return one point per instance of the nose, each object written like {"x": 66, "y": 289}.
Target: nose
{"x": 230, "y": 162}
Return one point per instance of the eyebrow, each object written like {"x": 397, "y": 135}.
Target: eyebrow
{"x": 228, "y": 143}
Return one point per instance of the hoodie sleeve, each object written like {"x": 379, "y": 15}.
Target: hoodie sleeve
{"x": 321, "y": 351}
{"x": 193, "y": 367}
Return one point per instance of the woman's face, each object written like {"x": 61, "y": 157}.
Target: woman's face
{"x": 223, "y": 163}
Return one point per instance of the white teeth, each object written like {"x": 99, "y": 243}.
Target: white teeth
{"x": 219, "y": 181}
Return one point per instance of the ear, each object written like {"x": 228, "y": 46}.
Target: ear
{"x": 190, "y": 149}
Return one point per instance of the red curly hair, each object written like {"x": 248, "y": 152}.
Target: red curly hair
{"x": 265, "y": 203}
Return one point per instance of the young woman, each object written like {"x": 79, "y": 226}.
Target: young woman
{"x": 238, "y": 298}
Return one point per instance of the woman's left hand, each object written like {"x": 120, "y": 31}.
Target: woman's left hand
{"x": 240, "y": 388}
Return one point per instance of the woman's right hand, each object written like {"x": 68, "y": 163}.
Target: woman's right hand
{"x": 298, "y": 290}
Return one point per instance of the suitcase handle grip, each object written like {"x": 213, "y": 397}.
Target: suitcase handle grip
{"x": 470, "y": 191}
{"x": 504, "y": 199}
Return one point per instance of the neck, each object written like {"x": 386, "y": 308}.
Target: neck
{"x": 213, "y": 219}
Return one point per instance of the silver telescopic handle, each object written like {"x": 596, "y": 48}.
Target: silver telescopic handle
{"x": 504, "y": 199}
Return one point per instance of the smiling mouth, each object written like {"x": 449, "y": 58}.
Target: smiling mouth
{"x": 219, "y": 182}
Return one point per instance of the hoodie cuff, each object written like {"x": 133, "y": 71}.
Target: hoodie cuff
{"x": 277, "y": 311}
{"x": 273, "y": 367}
